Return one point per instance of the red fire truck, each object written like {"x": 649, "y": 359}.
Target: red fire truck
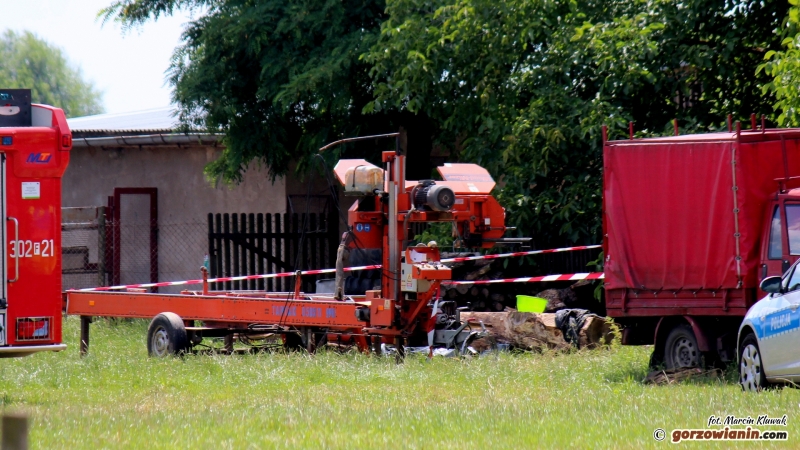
{"x": 34, "y": 152}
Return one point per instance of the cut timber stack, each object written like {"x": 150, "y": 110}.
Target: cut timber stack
{"x": 531, "y": 331}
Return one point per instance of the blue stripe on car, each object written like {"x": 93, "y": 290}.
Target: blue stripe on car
{"x": 776, "y": 323}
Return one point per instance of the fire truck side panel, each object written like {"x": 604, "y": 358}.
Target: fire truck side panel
{"x": 34, "y": 159}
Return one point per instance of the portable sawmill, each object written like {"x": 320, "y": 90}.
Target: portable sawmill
{"x": 404, "y": 311}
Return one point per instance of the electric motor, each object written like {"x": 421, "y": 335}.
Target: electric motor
{"x": 436, "y": 197}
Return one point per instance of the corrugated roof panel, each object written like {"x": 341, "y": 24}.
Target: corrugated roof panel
{"x": 156, "y": 119}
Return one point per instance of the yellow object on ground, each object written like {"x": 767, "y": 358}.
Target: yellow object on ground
{"x": 526, "y": 303}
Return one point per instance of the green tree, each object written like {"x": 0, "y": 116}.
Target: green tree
{"x": 784, "y": 68}
{"x": 27, "y": 62}
{"x": 279, "y": 78}
{"x": 519, "y": 86}
{"x": 523, "y": 86}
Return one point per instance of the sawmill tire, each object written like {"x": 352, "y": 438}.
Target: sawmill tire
{"x": 166, "y": 336}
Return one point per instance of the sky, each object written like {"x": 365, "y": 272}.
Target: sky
{"x": 129, "y": 68}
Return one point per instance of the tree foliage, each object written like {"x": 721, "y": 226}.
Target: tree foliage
{"x": 784, "y": 68}
{"x": 523, "y": 86}
{"x": 27, "y": 62}
{"x": 279, "y": 78}
{"x": 519, "y": 86}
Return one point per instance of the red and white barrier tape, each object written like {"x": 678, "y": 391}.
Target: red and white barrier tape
{"x": 222, "y": 279}
{"x": 357, "y": 268}
{"x": 562, "y": 277}
{"x": 514, "y": 254}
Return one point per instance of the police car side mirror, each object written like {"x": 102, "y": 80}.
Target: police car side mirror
{"x": 771, "y": 285}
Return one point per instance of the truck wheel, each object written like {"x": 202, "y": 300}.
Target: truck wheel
{"x": 751, "y": 370}
{"x": 680, "y": 349}
{"x": 166, "y": 335}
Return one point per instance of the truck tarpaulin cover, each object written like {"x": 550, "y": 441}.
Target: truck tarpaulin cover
{"x": 670, "y": 216}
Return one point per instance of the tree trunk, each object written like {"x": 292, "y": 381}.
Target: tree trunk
{"x": 536, "y": 331}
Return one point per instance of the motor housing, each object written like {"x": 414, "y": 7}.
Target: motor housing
{"x": 429, "y": 195}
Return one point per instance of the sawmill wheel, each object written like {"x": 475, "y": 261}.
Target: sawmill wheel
{"x": 166, "y": 336}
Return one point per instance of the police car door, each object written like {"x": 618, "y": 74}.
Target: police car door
{"x": 781, "y": 329}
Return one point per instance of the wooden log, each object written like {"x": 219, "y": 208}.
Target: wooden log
{"x": 492, "y": 320}
{"x": 478, "y": 273}
{"x": 523, "y": 330}
{"x": 537, "y": 331}
{"x": 595, "y": 332}
{"x": 557, "y": 298}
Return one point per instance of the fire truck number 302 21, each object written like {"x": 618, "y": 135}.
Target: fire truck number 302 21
{"x": 29, "y": 249}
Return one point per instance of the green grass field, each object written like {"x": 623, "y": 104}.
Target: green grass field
{"x": 117, "y": 397}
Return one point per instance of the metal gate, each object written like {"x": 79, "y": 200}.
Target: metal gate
{"x": 250, "y": 244}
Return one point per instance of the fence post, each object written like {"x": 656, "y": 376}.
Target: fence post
{"x": 279, "y": 282}
{"x": 218, "y": 248}
{"x": 297, "y": 252}
{"x": 312, "y": 236}
{"x": 260, "y": 246}
{"x": 255, "y": 242}
{"x": 304, "y": 242}
{"x": 269, "y": 285}
{"x": 212, "y": 260}
{"x": 226, "y": 271}
{"x": 235, "y": 261}
{"x": 101, "y": 246}
{"x": 15, "y": 432}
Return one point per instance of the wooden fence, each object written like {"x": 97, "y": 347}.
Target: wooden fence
{"x": 250, "y": 244}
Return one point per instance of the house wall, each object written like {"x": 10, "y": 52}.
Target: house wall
{"x": 184, "y": 194}
{"x": 185, "y": 198}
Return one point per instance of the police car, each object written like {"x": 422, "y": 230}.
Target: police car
{"x": 770, "y": 333}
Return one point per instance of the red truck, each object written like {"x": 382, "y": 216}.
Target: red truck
{"x": 35, "y": 144}
{"x": 691, "y": 225}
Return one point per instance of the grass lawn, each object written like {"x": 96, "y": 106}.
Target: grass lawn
{"x": 117, "y": 397}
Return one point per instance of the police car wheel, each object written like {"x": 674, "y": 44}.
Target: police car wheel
{"x": 751, "y": 369}
{"x": 166, "y": 336}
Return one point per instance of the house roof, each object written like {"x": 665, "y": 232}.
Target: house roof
{"x": 149, "y": 121}
{"x": 150, "y": 127}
